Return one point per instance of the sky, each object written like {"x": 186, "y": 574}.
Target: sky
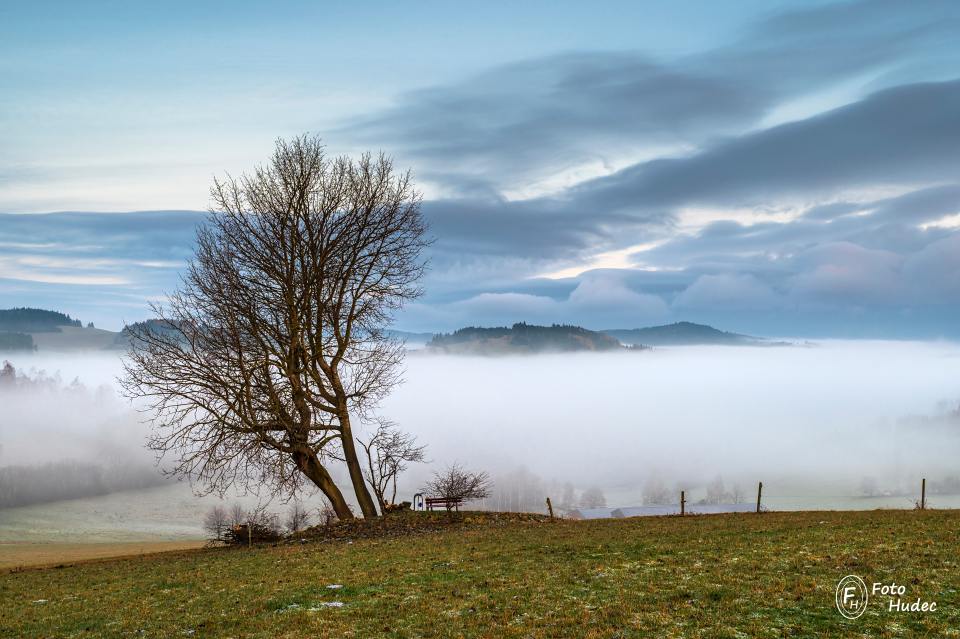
{"x": 777, "y": 168}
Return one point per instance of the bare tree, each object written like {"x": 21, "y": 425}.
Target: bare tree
{"x": 237, "y": 515}
{"x": 568, "y": 499}
{"x": 327, "y": 515}
{"x": 297, "y": 517}
{"x": 654, "y": 492}
{"x": 456, "y": 484}
{"x": 717, "y": 492}
{"x": 593, "y": 498}
{"x": 389, "y": 450}
{"x": 737, "y": 494}
{"x": 216, "y": 523}
{"x": 258, "y": 365}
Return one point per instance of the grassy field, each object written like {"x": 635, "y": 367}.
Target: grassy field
{"x": 16, "y": 555}
{"x": 772, "y": 575}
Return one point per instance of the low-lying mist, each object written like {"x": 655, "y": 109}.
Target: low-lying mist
{"x": 838, "y": 418}
{"x": 830, "y": 414}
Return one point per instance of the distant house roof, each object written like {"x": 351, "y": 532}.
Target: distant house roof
{"x": 591, "y": 513}
{"x": 693, "y": 509}
{"x": 646, "y": 511}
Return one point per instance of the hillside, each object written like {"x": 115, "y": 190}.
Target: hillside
{"x": 681, "y": 334}
{"x": 522, "y": 338}
{"x": 34, "y": 320}
{"x": 15, "y": 342}
{"x": 42, "y": 330}
{"x": 45, "y": 331}
{"x": 75, "y": 338}
{"x": 23, "y": 328}
{"x": 706, "y": 576}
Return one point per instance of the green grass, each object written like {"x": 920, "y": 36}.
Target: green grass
{"x": 772, "y": 575}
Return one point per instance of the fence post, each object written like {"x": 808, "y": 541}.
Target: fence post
{"x": 550, "y": 507}
{"x": 923, "y": 494}
{"x": 759, "y": 494}
{"x": 683, "y": 503}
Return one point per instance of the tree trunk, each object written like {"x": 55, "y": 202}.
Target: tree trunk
{"x": 312, "y": 468}
{"x": 367, "y": 506}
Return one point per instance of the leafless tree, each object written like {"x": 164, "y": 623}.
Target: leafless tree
{"x": 297, "y": 517}
{"x": 717, "y": 492}
{"x": 655, "y": 492}
{"x": 258, "y": 365}
{"x": 265, "y": 519}
{"x": 327, "y": 515}
{"x": 737, "y": 494}
{"x": 237, "y": 515}
{"x": 216, "y": 523}
{"x": 869, "y": 487}
{"x": 568, "y": 499}
{"x": 455, "y": 483}
{"x": 389, "y": 450}
{"x": 593, "y": 498}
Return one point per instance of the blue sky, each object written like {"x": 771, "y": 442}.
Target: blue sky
{"x": 781, "y": 168}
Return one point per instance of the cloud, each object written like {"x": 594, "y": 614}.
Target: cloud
{"x": 534, "y": 118}
{"x": 530, "y": 120}
{"x": 902, "y": 136}
{"x": 846, "y": 274}
{"x": 101, "y": 267}
{"x": 934, "y": 271}
{"x": 898, "y": 140}
{"x": 603, "y": 297}
{"x": 727, "y": 291}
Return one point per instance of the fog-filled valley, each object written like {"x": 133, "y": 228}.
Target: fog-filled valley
{"x": 835, "y": 424}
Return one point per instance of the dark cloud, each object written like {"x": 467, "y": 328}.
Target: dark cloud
{"x": 545, "y": 115}
{"x": 535, "y": 118}
{"x": 905, "y": 135}
{"x": 893, "y": 138}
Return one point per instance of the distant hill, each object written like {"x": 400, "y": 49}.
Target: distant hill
{"x": 34, "y": 320}
{"x": 159, "y": 327}
{"x": 42, "y": 330}
{"x": 522, "y": 339}
{"x": 681, "y": 334}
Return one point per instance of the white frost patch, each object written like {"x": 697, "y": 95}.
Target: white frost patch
{"x": 314, "y": 608}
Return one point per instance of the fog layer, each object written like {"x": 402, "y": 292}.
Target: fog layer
{"x": 837, "y": 411}
{"x": 804, "y": 417}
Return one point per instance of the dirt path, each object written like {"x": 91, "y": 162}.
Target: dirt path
{"x": 16, "y": 555}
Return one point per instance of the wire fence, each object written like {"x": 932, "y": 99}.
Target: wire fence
{"x": 764, "y": 497}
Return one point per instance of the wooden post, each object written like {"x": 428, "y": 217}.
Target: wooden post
{"x": 683, "y": 503}
{"x": 550, "y": 507}
{"x": 759, "y": 494}
{"x": 249, "y": 534}
{"x": 923, "y": 494}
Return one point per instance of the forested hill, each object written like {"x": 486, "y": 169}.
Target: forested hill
{"x": 28, "y": 329}
{"x": 34, "y": 320}
{"x": 680, "y": 333}
{"x": 522, "y": 339}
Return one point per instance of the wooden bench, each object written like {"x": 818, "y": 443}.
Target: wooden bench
{"x": 444, "y": 502}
